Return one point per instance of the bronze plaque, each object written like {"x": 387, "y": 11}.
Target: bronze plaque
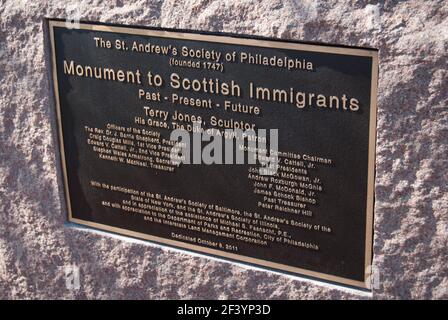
{"x": 122, "y": 92}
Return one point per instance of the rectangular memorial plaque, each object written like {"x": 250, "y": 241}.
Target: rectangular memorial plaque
{"x": 304, "y": 206}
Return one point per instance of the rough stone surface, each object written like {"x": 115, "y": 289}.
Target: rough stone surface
{"x": 411, "y": 220}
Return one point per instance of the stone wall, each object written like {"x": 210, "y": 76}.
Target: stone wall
{"x": 411, "y": 208}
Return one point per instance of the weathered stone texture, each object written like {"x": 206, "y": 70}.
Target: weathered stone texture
{"x": 411, "y": 218}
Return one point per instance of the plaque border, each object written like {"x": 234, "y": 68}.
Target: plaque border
{"x": 227, "y": 38}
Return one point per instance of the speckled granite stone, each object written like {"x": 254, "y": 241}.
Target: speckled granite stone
{"x": 411, "y": 214}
